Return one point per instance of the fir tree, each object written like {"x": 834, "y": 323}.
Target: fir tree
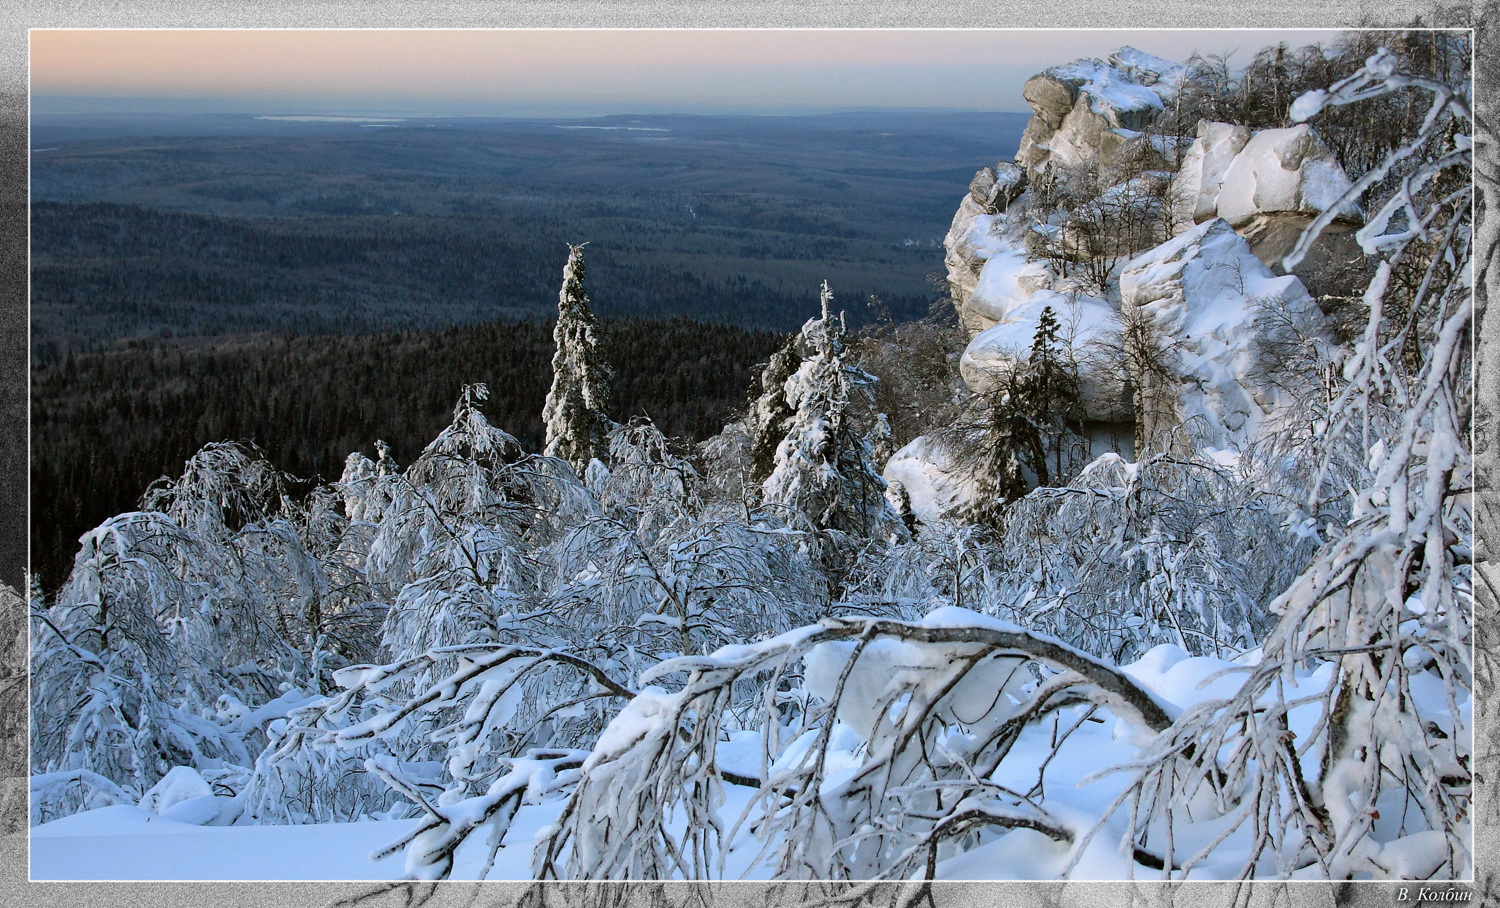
{"x": 577, "y": 427}
{"x": 824, "y": 467}
{"x": 1050, "y": 402}
{"x": 766, "y": 422}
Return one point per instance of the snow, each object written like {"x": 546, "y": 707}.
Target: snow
{"x": 1307, "y": 106}
{"x": 128, "y": 843}
{"x": 1195, "y": 189}
{"x": 980, "y": 231}
{"x": 1201, "y": 291}
{"x": 933, "y": 483}
{"x": 1163, "y": 76}
{"x": 1007, "y": 281}
{"x": 1109, "y": 89}
{"x": 1281, "y": 170}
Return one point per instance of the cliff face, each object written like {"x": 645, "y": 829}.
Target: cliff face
{"x": 1210, "y": 310}
{"x": 1085, "y": 114}
{"x": 1133, "y": 238}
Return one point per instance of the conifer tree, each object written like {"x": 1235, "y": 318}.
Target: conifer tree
{"x": 766, "y": 422}
{"x": 1017, "y": 433}
{"x": 1050, "y": 402}
{"x": 576, "y": 424}
{"x": 824, "y": 466}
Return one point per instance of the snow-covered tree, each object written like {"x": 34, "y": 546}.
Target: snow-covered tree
{"x": 574, "y": 416}
{"x": 824, "y": 465}
{"x": 123, "y": 680}
{"x": 766, "y": 423}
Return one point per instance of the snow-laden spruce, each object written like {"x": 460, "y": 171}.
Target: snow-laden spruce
{"x": 823, "y": 467}
{"x": 574, "y": 417}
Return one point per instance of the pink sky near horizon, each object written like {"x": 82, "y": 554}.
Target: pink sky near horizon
{"x": 687, "y": 69}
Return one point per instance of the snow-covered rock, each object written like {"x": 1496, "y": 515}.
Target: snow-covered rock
{"x": 1085, "y": 113}
{"x": 975, "y": 237}
{"x": 1006, "y": 281}
{"x": 1240, "y": 176}
{"x": 1085, "y": 321}
{"x": 1270, "y": 185}
{"x": 1195, "y": 189}
{"x": 1163, "y": 76}
{"x": 1282, "y": 170}
{"x": 933, "y": 484}
{"x": 183, "y": 796}
{"x": 1249, "y": 193}
{"x": 1089, "y": 110}
{"x": 994, "y": 188}
{"x": 1200, "y": 294}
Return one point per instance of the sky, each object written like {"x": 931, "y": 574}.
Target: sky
{"x": 577, "y": 72}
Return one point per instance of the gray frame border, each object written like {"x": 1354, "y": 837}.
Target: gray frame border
{"x": 1483, "y": 15}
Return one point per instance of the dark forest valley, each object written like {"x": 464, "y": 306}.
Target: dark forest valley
{"x": 299, "y": 284}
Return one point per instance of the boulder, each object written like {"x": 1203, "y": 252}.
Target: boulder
{"x": 1195, "y": 189}
{"x": 1282, "y": 170}
{"x": 994, "y": 188}
{"x": 1239, "y": 175}
{"x": 1200, "y": 297}
{"x": 1052, "y": 94}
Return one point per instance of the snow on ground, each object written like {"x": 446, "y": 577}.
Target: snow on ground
{"x": 127, "y": 842}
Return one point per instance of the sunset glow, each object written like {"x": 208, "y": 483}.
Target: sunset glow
{"x": 500, "y": 72}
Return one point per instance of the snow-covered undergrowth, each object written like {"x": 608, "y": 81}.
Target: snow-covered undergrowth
{"x": 1010, "y": 834}
{"x": 1214, "y": 660}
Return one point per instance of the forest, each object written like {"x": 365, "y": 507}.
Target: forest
{"x": 1152, "y": 559}
{"x": 106, "y": 425}
{"x": 339, "y": 229}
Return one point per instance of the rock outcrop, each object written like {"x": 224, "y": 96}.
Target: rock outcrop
{"x": 1085, "y": 114}
{"x": 1092, "y": 111}
{"x": 1172, "y": 339}
{"x": 1236, "y": 174}
{"x": 1210, "y": 364}
{"x": 994, "y": 188}
{"x": 1268, "y": 185}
